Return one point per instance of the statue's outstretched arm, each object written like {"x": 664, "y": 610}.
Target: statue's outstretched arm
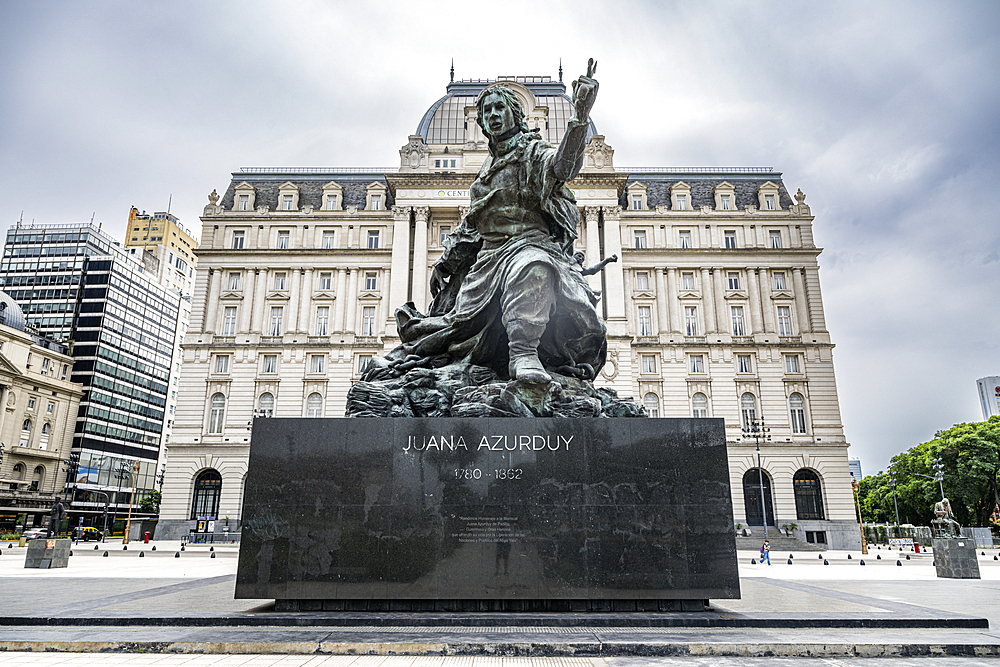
{"x": 569, "y": 157}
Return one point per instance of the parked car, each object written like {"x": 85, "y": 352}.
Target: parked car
{"x": 34, "y": 533}
{"x": 87, "y": 533}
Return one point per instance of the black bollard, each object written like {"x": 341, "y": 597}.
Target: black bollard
{"x": 177, "y": 555}
{"x": 862, "y": 561}
{"x": 982, "y": 553}
{"x": 826, "y": 562}
{"x": 211, "y": 548}
{"x": 899, "y": 563}
{"x": 213, "y": 555}
{"x": 182, "y": 547}
{"x": 71, "y": 553}
{"x": 154, "y": 548}
{"x": 907, "y": 556}
{"x": 753, "y": 561}
{"x": 995, "y": 558}
{"x": 791, "y": 555}
{"x": 848, "y": 556}
{"x": 142, "y": 554}
{"x": 105, "y": 554}
{"x": 878, "y": 557}
{"x": 789, "y": 561}
{"x": 124, "y": 547}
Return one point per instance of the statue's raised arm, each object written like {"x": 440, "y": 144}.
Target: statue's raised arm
{"x": 569, "y": 159}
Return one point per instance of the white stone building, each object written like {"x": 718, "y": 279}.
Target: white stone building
{"x": 714, "y": 309}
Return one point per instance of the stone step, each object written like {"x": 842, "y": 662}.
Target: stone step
{"x": 780, "y": 544}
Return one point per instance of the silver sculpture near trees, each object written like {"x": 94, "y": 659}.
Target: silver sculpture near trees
{"x": 509, "y": 297}
{"x": 943, "y": 524}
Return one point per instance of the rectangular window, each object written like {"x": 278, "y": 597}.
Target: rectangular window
{"x": 792, "y": 363}
{"x": 45, "y": 365}
{"x": 685, "y": 238}
{"x": 769, "y": 202}
{"x": 244, "y": 203}
{"x": 645, "y": 321}
{"x": 372, "y": 239}
{"x": 277, "y": 313}
{"x": 690, "y": 320}
{"x": 727, "y": 202}
{"x": 687, "y": 281}
{"x": 316, "y": 363}
{"x": 327, "y": 240}
{"x": 376, "y": 202}
{"x": 784, "y": 321}
{"x": 31, "y": 403}
{"x": 368, "y": 321}
{"x": 279, "y": 280}
{"x": 697, "y": 363}
{"x": 234, "y": 280}
{"x": 238, "y": 240}
{"x": 445, "y": 231}
{"x": 642, "y": 280}
{"x": 222, "y": 363}
{"x": 682, "y": 202}
{"x": 744, "y": 364}
{"x": 363, "y": 361}
{"x": 283, "y": 240}
{"x": 730, "y": 236}
{"x": 738, "y": 329}
{"x": 640, "y": 238}
{"x": 229, "y": 321}
{"x": 269, "y": 364}
{"x": 286, "y": 202}
{"x": 779, "y": 280}
{"x": 322, "y": 320}
{"x": 636, "y": 202}
{"x": 648, "y": 363}
{"x": 775, "y": 236}
{"x": 50, "y": 408}
{"x": 734, "y": 280}
{"x": 331, "y": 204}
{"x": 325, "y": 280}
{"x": 371, "y": 280}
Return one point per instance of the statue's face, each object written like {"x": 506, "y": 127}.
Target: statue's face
{"x": 498, "y": 118}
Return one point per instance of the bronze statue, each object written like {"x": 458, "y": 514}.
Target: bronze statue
{"x": 56, "y": 515}
{"x": 943, "y": 524}
{"x": 507, "y": 292}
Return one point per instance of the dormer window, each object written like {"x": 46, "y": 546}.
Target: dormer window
{"x": 288, "y": 196}
{"x": 636, "y": 203}
{"x": 376, "y": 198}
{"x": 727, "y": 202}
{"x": 637, "y": 196}
{"x": 376, "y": 203}
{"x": 680, "y": 196}
{"x": 725, "y": 197}
{"x": 682, "y": 202}
{"x": 332, "y": 193}
{"x": 286, "y": 202}
{"x": 767, "y": 196}
{"x": 768, "y": 202}
{"x": 244, "y": 204}
{"x": 243, "y": 197}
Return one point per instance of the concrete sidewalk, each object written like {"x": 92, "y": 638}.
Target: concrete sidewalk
{"x": 161, "y": 603}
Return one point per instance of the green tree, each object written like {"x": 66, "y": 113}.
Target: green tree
{"x": 151, "y": 502}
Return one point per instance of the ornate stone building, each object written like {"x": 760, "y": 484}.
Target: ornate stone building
{"x": 714, "y": 308}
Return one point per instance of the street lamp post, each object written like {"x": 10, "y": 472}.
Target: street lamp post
{"x": 892, "y": 481}
{"x": 755, "y": 428}
{"x": 939, "y": 475}
{"x": 131, "y": 501}
{"x": 121, "y": 473}
{"x": 857, "y": 504}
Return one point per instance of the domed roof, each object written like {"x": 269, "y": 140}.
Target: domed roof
{"x": 11, "y": 314}
{"x": 545, "y": 102}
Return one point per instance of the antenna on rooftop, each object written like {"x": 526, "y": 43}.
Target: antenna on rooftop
{"x": 92, "y": 217}
{"x": 170, "y": 201}
{"x": 560, "y": 70}
{"x": 453, "y": 70}
{"x": 21, "y": 219}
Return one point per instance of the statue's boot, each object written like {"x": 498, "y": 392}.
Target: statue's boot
{"x": 527, "y": 303}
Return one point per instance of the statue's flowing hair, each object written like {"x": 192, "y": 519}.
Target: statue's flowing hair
{"x": 509, "y": 98}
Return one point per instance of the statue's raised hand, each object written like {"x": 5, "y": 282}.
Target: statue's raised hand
{"x": 585, "y": 92}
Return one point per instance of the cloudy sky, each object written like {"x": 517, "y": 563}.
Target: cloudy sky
{"x": 886, "y": 114}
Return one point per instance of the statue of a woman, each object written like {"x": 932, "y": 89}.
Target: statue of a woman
{"x": 508, "y": 293}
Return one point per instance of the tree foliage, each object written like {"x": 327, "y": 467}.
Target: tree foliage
{"x": 150, "y": 503}
{"x": 971, "y": 457}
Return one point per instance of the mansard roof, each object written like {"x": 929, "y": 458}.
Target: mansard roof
{"x": 745, "y": 181}
{"x": 267, "y": 181}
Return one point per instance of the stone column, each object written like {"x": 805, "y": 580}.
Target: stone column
{"x": 765, "y": 294}
{"x": 593, "y": 248}
{"x": 816, "y": 315}
{"x": 756, "y": 325}
{"x": 293, "y": 303}
{"x": 338, "y": 305}
{"x": 722, "y": 322}
{"x": 257, "y": 323}
{"x": 801, "y": 303}
{"x": 708, "y": 301}
{"x": 672, "y": 302}
{"x": 305, "y": 300}
{"x": 400, "y": 262}
{"x": 212, "y": 303}
{"x": 663, "y": 324}
{"x": 351, "y": 301}
{"x": 248, "y": 301}
{"x": 614, "y": 275}
{"x": 420, "y": 241}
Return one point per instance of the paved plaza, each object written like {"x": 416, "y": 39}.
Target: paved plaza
{"x": 180, "y": 611}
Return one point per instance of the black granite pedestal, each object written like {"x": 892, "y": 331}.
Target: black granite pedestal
{"x": 488, "y": 515}
{"x": 45, "y": 553}
{"x": 955, "y": 558}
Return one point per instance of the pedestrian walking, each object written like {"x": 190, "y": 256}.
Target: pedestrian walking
{"x": 765, "y": 552}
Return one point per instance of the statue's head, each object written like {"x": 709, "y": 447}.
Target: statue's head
{"x": 499, "y": 111}
{"x": 578, "y": 257}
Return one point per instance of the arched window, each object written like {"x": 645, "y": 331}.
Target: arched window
{"x": 44, "y": 441}
{"x": 18, "y": 472}
{"x": 798, "y": 411}
{"x": 218, "y": 414}
{"x": 314, "y": 405}
{"x": 652, "y": 404}
{"x": 207, "y": 489}
{"x": 36, "y": 478}
{"x": 752, "y": 493}
{"x": 808, "y": 494}
{"x": 25, "y": 433}
{"x": 699, "y": 406}
{"x": 265, "y": 405}
{"x": 748, "y": 409}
